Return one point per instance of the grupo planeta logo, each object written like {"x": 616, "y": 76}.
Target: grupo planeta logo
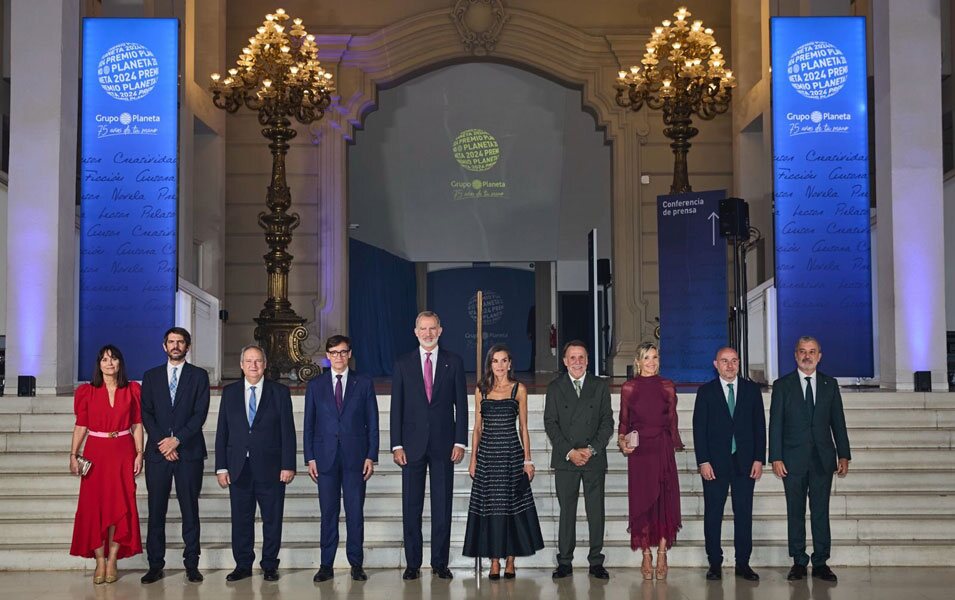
{"x": 492, "y": 307}
{"x": 128, "y": 71}
{"x": 818, "y": 70}
{"x": 476, "y": 150}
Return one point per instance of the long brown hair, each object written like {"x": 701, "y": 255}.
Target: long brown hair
{"x": 487, "y": 379}
{"x": 121, "y": 380}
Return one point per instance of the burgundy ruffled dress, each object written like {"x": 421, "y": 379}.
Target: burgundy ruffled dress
{"x": 648, "y": 405}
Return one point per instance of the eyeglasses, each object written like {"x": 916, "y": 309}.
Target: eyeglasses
{"x": 341, "y": 353}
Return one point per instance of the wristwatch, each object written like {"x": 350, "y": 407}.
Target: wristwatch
{"x": 592, "y": 451}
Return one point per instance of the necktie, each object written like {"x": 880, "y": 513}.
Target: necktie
{"x": 251, "y": 405}
{"x": 338, "y": 394}
{"x": 810, "y": 399}
{"x": 577, "y": 387}
{"x": 173, "y": 384}
{"x": 428, "y": 376}
{"x": 731, "y": 403}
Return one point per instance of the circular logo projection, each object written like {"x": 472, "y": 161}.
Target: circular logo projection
{"x": 492, "y": 307}
{"x": 476, "y": 150}
{"x": 128, "y": 71}
{"x": 818, "y": 70}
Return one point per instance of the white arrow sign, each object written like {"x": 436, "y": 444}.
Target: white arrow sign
{"x": 713, "y": 216}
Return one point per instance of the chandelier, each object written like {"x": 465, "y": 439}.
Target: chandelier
{"x": 683, "y": 73}
{"x": 279, "y": 76}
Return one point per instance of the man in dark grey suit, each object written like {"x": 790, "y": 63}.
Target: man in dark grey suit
{"x": 578, "y": 420}
{"x": 805, "y": 417}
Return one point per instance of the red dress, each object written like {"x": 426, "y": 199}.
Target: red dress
{"x": 108, "y": 492}
{"x": 648, "y": 405}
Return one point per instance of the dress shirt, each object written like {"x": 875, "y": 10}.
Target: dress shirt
{"x": 258, "y": 405}
{"x": 726, "y": 391}
{"x": 434, "y": 371}
{"x": 815, "y": 386}
{"x": 169, "y": 368}
{"x": 344, "y": 375}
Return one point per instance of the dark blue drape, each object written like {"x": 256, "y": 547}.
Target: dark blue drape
{"x": 382, "y": 305}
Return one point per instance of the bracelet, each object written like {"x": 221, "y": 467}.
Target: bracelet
{"x": 528, "y": 462}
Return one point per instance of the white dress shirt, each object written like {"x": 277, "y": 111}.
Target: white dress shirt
{"x": 803, "y": 383}
{"x": 726, "y": 391}
{"x": 344, "y": 375}
{"x": 169, "y": 368}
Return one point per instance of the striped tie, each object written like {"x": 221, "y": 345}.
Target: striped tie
{"x": 173, "y": 384}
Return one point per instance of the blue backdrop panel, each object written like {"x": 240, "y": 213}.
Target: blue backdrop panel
{"x": 693, "y": 292}
{"x": 382, "y": 304}
{"x": 821, "y": 181}
{"x": 508, "y": 297}
{"x": 128, "y": 186}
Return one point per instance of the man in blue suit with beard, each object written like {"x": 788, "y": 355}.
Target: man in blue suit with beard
{"x": 341, "y": 448}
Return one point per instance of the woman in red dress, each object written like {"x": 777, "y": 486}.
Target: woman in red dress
{"x": 648, "y": 406}
{"x": 108, "y": 417}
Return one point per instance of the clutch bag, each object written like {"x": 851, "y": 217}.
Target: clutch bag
{"x": 523, "y": 484}
{"x": 85, "y": 465}
{"x": 633, "y": 439}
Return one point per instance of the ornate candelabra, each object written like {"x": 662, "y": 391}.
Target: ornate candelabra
{"x": 683, "y": 74}
{"x": 279, "y": 76}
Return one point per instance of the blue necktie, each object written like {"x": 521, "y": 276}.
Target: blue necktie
{"x": 251, "y": 405}
{"x": 173, "y": 384}
{"x": 731, "y": 402}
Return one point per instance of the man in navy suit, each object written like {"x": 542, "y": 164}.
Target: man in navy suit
{"x": 175, "y": 403}
{"x": 729, "y": 433}
{"x": 429, "y": 430}
{"x": 255, "y": 459}
{"x": 341, "y": 448}
{"x": 805, "y": 418}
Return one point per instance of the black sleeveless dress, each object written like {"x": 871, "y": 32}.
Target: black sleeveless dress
{"x": 502, "y": 517}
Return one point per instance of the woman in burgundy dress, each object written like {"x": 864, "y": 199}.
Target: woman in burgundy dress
{"x": 106, "y": 525}
{"x": 648, "y": 407}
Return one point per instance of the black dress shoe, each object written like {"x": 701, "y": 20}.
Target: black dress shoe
{"x": 796, "y": 573}
{"x": 746, "y": 573}
{"x": 442, "y": 572}
{"x": 510, "y": 574}
{"x": 599, "y": 572}
{"x": 410, "y": 574}
{"x": 825, "y": 573}
{"x": 562, "y": 571}
{"x": 358, "y": 574}
{"x": 271, "y": 574}
{"x": 324, "y": 573}
{"x": 193, "y": 575}
{"x": 714, "y": 574}
{"x": 152, "y": 576}
{"x": 238, "y": 574}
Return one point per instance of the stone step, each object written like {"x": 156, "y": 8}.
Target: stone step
{"x": 873, "y": 553}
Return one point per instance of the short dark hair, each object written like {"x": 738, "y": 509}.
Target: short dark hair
{"x": 336, "y": 340}
{"x": 178, "y": 331}
{"x": 808, "y": 339}
{"x": 121, "y": 379}
{"x": 578, "y": 343}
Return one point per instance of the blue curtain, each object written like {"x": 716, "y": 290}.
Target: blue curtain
{"x": 382, "y": 305}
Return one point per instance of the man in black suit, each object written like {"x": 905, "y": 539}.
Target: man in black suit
{"x": 729, "y": 434}
{"x": 175, "y": 403}
{"x": 341, "y": 449}
{"x": 429, "y": 429}
{"x": 805, "y": 416}
{"x": 255, "y": 459}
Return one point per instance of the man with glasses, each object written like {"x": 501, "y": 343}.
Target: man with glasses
{"x": 341, "y": 448}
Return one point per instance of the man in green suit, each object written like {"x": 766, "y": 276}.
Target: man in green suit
{"x": 808, "y": 442}
{"x": 579, "y": 422}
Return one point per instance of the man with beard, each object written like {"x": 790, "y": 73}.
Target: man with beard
{"x": 175, "y": 402}
{"x": 805, "y": 416}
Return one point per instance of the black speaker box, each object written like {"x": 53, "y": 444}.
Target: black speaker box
{"x": 923, "y": 381}
{"x": 26, "y": 385}
{"x": 603, "y": 271}
{"x": 734, "y": 218}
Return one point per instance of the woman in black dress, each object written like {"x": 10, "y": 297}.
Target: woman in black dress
{"x": 502, "y": 517}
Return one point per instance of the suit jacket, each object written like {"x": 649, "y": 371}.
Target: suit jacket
{"x": 354, "y": 431}
{"x": 714, "y": 427}
{"x": 793, "y": 435}
{"x": 269, "y": 443}
{"x": 414, "y": 422}
{"x": 572, "y": 422}
{"x": 183, "y": 419}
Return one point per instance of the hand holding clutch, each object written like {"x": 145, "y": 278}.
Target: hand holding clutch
{"x": 85, "y": 465}
{"x": 633, "y": 439}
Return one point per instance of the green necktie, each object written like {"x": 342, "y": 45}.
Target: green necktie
{"x": 731, "y": 402}
{"x": 577, "y": 387}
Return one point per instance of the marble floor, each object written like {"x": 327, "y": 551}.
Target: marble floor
{"x": 683, "y": 584}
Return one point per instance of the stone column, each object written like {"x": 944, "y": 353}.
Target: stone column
{"x": 332, "y": 303}
{"x": 908, "y": 165}
{"x": 41, "y": 225}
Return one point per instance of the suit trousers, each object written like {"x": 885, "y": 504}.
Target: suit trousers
{"x": 332, "y": 485}
{"x": 817, "y": 481}
{"x": 714, "y": 501}
{"x": 567, "y": 483}
{"x": 244, "y": 494}
{"x": 438, "y": 462}
{"x": 159, "y": 477}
